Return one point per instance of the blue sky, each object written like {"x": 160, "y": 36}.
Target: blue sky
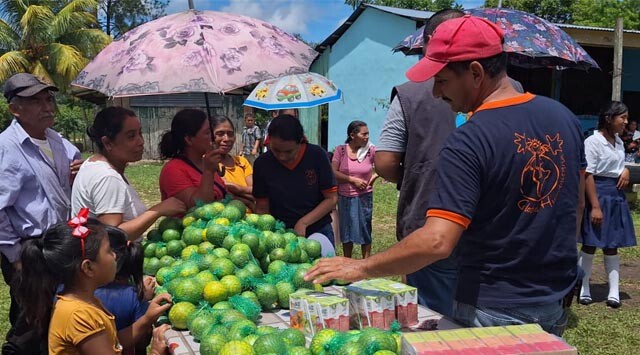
{"x": 313, "y": 19}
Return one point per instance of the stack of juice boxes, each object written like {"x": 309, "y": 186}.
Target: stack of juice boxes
{"x": 312, "y": 311}
{"x": 379, "y": 302}
{"x": 508, "y": 340}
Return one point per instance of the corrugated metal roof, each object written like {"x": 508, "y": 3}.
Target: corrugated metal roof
{"x": 409, "y": 13}
{"x": 578, "y": 27}
{"x": 333, "y": 37}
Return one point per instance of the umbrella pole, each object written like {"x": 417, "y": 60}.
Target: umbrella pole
{"x": 206, "y": 101}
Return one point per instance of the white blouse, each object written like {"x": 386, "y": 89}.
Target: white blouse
{"x": 603, "y": 158}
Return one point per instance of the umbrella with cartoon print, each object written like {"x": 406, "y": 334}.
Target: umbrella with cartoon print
{"x": 293, "y": 91}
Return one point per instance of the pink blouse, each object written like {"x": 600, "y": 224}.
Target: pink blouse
{"x": 352, "y": 167}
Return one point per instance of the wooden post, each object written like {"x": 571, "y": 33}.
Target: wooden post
{"x": 616, "y": 88}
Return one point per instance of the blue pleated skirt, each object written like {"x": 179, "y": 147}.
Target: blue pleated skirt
{"x": 617, "y": 229}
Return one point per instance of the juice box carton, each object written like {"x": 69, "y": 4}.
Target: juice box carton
{"x": 405, "y": 297}
{"x": 508, "y": 340}
{"x": 312, "y": 311}
{"x": 424, "y": 343}
{"x": 369, "y": 307}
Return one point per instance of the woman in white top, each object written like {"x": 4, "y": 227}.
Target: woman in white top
{"x": 101, "y": 184}
{"x": 607, "y": 223}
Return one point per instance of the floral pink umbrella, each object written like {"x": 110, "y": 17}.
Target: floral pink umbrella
{"x": 194, "y": 51}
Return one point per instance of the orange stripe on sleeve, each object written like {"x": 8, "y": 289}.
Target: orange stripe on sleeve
{"x": 330, "y": 190}
{"x": 450, "y": 216}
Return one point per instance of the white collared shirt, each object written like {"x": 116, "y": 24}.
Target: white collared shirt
{"x": 603, "y": 158}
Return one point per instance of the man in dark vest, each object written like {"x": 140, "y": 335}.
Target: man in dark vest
{"x": 418, "y": 120}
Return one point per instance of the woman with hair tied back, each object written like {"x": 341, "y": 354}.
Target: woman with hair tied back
{"x": 77, "y": 256}
{"x": 191, "y": 175}
{"x": 353, "y": 166}
{"x": 607, "y": 222}
{"x": 238, "y": 172}
{"x": 294, "y": 182}
{"x": 101, "y": 184}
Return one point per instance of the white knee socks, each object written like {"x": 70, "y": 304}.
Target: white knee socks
{"x": 612, "y": 266}
{"x": 586, "y": 262}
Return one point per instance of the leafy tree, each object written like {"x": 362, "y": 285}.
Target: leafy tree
{"x": 603, "y": 13}
{"x": 424, "y": 5}
{"x": 53, "y": 40}
{"x": 119, "y": 16}
{"x": 556, "y": 11}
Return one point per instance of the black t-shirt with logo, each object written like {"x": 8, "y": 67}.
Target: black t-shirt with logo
{"x": 511, "y": 175}
{"x": 296, "y": 190}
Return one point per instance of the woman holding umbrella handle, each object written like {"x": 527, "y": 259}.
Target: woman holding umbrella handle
{"x": 191, "y": 175}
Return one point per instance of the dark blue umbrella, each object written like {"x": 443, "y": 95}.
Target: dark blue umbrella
{"x": 531, "y": 41}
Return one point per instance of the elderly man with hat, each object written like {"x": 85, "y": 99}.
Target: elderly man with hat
{"x": 506, "y": 193}
{"x": 36, "y": 170}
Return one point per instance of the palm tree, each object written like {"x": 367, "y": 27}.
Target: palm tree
{"x": 54, "y": 40}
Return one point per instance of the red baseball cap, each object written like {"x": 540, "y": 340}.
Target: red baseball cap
{"x": 457, "y": 40}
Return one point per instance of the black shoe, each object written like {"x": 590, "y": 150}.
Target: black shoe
{"x": 585, "y": 300}
{"x": 613, "y": 303}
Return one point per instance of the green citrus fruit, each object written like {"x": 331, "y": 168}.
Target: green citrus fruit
{"x": 188, "y": 290}
{"x": 215, "y": 291}
{"x": 150, "y": 250}
{"x": 293, "y": 337}
{"x": 170, "y": 223}
{"x": 206, "y": 247}
{"x": 212, "y": 343}
{"x": 170, "y": 234}
{"x": 188, "y": 251}
{"x": 233, "y": 284}
{"x": 222, "y": 267}
{"x": 215, "y": 234}
{"x": 270, "y": 343}
{"x": 179, "y": 313}
{"x": 220, "y": 252}
{"x": 174, "y": 247}
{"x": 154, "y": 235}
{"x": 236, "y": 347}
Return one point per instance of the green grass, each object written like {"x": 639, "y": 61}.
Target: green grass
{"x": 595, "y": 329}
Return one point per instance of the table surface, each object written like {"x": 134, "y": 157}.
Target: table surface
{"x": 280, "y": 319}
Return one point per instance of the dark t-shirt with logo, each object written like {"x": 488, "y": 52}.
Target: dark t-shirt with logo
{"x": 511, "y": 174}
{"x": 296, "y": 190}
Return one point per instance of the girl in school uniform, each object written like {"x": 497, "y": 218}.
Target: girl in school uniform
{"x": 607, "y": 223}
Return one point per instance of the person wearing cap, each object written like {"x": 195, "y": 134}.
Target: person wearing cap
{"x": 506, "y": 194}
{"x": 36, "y": 169}
{"x": 423, "y": 122}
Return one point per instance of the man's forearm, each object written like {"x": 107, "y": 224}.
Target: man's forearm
{"x": 422, "y": 247}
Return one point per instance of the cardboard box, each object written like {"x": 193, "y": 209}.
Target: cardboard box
{"x": 378, "y": 302}
{"x": 312, "y": 311}
{"x": 369, "y": 307}
{"x": 405, "y": 297}
{"x": 515, "y": 339}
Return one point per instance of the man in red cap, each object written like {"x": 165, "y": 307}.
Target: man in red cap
{"x": 506, "y": 195}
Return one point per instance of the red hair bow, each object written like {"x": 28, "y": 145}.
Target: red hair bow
{"x": 79, "y": 230}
